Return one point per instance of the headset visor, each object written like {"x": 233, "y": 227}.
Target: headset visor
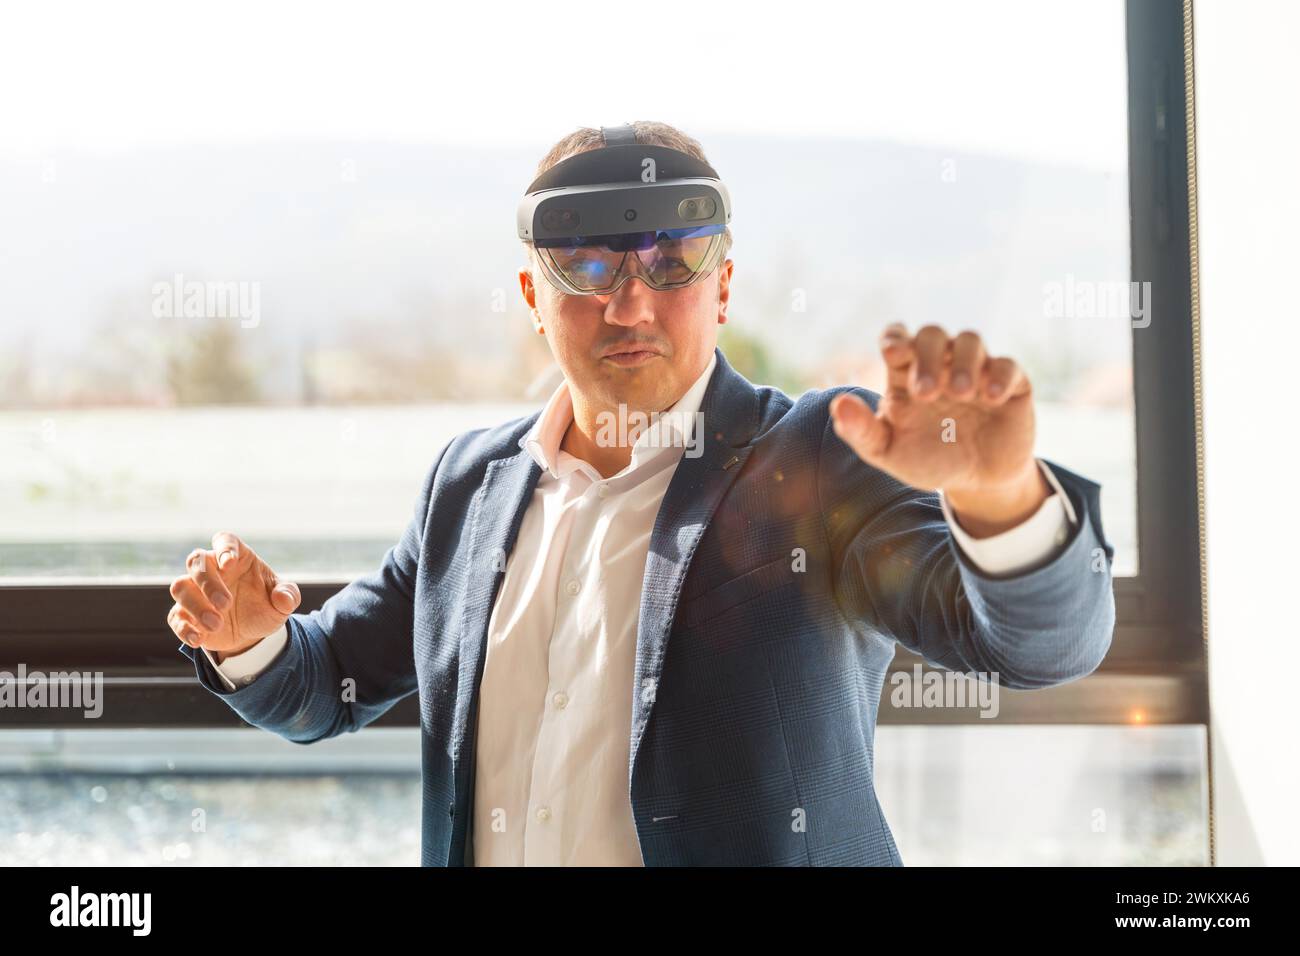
{"x": 665, "y": 259}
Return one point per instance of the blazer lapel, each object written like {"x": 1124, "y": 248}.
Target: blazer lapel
{"x": 494, "y": 520}
{"x": 729, "y": 419}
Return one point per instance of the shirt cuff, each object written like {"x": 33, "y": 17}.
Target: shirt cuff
{"x": 1031, "y": 542}
{"x": 242, "y": 668}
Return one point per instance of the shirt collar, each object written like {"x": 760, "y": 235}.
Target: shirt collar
{"x": 674, "y": 428}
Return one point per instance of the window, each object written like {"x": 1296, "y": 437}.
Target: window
{"x": 262, "y": 298}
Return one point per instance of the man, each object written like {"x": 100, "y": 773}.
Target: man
{"x": 665, "y": 644}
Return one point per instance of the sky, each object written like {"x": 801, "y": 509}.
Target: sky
{"x": 1041, "y": 80}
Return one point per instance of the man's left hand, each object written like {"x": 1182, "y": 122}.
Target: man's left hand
{"x": 955, "y": 418}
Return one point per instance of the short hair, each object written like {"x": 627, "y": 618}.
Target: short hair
{"x": 648, "y": 133}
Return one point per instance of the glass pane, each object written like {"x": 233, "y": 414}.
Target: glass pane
{"x": 262, "y": 298}
{"x": 1078, "y": 796}
{"x": 1045, "y": 796}
{"x": 208, "y": 798}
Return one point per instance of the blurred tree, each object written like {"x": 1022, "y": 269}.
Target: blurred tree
{"x": 17, "y": 364}
{"x": 206, "y": 366}
{"x": 749, "y": 355}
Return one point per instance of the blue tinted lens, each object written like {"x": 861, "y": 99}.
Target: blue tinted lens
{"x": 590, "y": 273}
{"x": 626, "y": 241}
{"x": 669, "y": 257}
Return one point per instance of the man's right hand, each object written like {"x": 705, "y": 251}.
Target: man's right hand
{"x": 229, "y": 599}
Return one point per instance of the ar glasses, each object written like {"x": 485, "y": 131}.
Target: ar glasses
{"x": 664, "y": 259}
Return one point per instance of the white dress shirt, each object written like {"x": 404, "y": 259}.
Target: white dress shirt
{"x": 555, "y": 703}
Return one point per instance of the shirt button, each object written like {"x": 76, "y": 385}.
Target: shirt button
{"x": 561, "y": 700}
{"x": 602, "y": 490}
{"x": 573, "y": 586}
{"x": 544, "y": 814}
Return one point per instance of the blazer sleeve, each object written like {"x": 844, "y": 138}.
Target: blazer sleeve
{"x": 896, "y": 567}
{"x": 347, "y": 663}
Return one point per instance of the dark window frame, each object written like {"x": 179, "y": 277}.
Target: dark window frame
{"x": 1157, "y": 663}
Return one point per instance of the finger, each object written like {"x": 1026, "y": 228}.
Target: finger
{"x": 967, "y": 360}
{"x": 228, "y": 547}
{"x": 930, "y": 372}
{"x": 284, "y": 596}
{"x": 182, "y": 625}
{"x": 860, "y": 428}
{"x": 893, "y": 332}
{"x": 1003, "y": 379}
{"x": 202, "y": 566}
{"x": 190, "y": 596}
{"x": 897, "y": 351}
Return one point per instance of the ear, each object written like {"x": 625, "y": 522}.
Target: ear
{"x": 526, "y": 286}
{"x": 529, "y": 291}
{"x": 724, "y": 289}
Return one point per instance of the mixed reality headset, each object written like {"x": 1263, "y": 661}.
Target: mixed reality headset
{"x": 602, "y": 216}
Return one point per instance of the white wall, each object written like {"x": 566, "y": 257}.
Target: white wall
{"x": 1247, "y": 87}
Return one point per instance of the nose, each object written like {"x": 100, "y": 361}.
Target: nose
{"x": 630, "y": 304}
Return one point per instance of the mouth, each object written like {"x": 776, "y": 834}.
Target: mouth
{"x": 629, "y": 355}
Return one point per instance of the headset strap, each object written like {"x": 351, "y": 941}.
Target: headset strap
{"x": 619, "y": 135}
{"x": 621, "y": 164}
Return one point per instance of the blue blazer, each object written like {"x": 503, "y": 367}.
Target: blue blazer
{"x": 782, "y": 570}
